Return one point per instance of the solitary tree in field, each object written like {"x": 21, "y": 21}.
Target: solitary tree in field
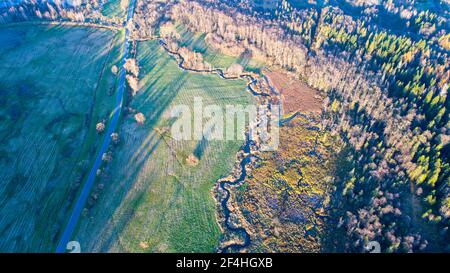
{"x": 107, "y": 157}
{"x": 235, "y": 69}
{"x": 114, "y": 69}
{"x": 140, "y": 118}
{"x": 133, "y": 83}
{"x": 100, "y": 127}
{"x": 132, "y": 67}
{"x": 115, "y": 138}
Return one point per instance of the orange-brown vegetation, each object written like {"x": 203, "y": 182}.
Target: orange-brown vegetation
{"x": 284, "y": 201}
{"x": 295, "y": 95}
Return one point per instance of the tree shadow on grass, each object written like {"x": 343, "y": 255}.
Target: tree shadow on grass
{"x": 124, "y": 211}
{"x": 244, "y": 58}
{"x": 201, "y": 147}
{"x": 123, "y": 205}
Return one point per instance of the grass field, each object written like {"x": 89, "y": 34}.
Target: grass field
{"x": 196, "y": 42}
{"x": 112, "y": 8}
{"x": 54, "y": 88}
{"x": 153, "y": 200}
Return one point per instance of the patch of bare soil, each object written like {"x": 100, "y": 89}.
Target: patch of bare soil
{"x": 295, "y": 95}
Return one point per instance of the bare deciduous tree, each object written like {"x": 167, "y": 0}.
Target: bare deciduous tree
{"x": 140, "y": 118}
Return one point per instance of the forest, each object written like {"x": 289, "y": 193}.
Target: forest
{"x": 384, "y": 71}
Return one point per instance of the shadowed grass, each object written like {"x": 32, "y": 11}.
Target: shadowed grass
{"x": 153, "y": 201}
{"x": 54, "y": 83}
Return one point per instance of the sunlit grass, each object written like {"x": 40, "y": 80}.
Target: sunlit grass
{"x": 152, "y": 198}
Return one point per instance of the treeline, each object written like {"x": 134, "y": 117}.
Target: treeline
{"x": 387, "y": 100}
{"x": 30, "y": 10}
{"x": 34, "y": 10}
{"x": 402, "y": 135}
{"x": 147, "y": 16}
{"x": 262, "y": 38}
{"x": 414, "y": 75}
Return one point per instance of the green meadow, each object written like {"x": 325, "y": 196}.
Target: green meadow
{"x": 55, "y": 85}
{"x": 153, "y": 198}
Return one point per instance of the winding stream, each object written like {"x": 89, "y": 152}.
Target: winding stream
{"x": 224, "y": 203}
{"x": 251, "y": 81}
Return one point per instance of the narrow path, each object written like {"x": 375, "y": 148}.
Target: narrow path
{"x": 82, "y": 198}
